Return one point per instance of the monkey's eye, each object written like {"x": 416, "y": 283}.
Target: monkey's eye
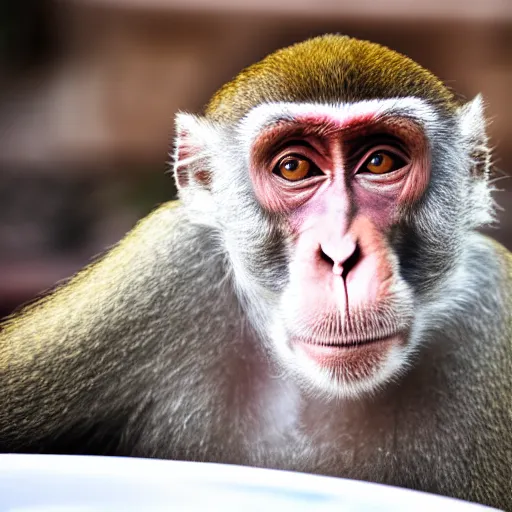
{"x": 294, "y": 168}
{"x": 382, "y": 162}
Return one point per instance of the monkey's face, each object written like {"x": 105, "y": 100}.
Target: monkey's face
{"x": 339, "y": 180}
{"x": 341, "y": 221}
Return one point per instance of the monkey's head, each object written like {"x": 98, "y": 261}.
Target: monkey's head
{"x": 341, "y": 178}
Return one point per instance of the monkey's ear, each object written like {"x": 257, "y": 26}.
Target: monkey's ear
{"x": 473, "y": 128}
{"x": 192, "y": 156}
{"x": 474, "y": 138}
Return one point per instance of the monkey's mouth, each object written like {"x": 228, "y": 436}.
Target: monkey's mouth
{"x": 344, "y": 344}
{"x": 336, "y": 354}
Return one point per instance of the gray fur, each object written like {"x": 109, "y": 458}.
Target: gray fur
{"x": 162, "y": 349}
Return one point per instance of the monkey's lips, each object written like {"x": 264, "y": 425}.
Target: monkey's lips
{"x": 336, "y": 355}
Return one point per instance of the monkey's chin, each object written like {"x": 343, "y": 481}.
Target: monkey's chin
{"x": 350, "y": 370}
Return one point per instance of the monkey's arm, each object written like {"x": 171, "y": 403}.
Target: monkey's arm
{"x": 67, "y": 361}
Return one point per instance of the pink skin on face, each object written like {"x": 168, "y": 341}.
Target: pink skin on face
{"x": 339, "y": 221}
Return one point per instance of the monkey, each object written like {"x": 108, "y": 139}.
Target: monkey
{"x": 318, "y": 299}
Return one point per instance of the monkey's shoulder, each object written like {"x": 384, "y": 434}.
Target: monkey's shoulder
{"x": 139, "y": 269}
{"x": 499, "y": 269}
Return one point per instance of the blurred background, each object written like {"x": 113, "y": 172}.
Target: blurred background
{"x": 89, "y": 88}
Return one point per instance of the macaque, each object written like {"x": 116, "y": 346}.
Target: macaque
{"x": 318, "y": 300}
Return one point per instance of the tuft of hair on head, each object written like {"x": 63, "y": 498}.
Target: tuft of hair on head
{"x": 329, "y": 69}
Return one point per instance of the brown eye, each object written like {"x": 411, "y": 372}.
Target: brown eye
{"x": 380, "y": 163}
{"x": 293, "y": 168}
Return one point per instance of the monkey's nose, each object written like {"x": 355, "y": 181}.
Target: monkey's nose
{"x": 343, "y": 256}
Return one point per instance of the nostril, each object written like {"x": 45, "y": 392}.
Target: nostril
{"x": 351, "y": 261}
{"x": 326, "y": 258}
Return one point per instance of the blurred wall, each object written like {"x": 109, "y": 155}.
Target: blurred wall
{"x": 88, "y": 90}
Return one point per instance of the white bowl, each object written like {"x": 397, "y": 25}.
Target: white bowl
{"x": 58, "y": 483}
